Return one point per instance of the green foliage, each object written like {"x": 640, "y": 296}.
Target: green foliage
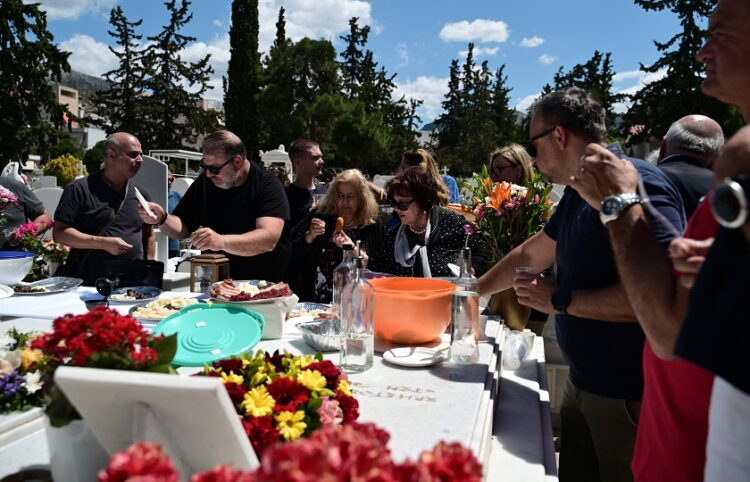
{"x": 244, "y": 75}
{"x": 32, "y": 119}
{"x": 66, "y": 146}
{"x": 64, "y": 168}
{"x": 94, "y": 157}
{"x": 477, "y": 116}
{"x": 678, "y": 93}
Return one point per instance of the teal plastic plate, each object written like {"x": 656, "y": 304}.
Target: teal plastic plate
{"x": 206, "y": 333}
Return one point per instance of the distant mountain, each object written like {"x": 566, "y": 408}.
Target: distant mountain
{"x": 84, "y": 83}
{"x": 429, "y": 127}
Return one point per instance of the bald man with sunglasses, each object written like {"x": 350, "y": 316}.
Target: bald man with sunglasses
{"x": 98, "y": 215}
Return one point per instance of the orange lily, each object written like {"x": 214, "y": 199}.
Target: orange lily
{"x": 500, "y": 195}
{"x": 487, "y": 183}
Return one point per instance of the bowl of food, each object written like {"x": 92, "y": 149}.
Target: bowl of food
{"x": 14, "y": 266}
{"x": 411, "y": 311}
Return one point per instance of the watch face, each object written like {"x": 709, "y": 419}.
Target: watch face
{"x": 610, "y": 205}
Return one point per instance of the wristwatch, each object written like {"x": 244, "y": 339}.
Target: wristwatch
{"x": 560, "y": 300}
{"x": 729, "y": 202}
{"x": 613, "y": 206}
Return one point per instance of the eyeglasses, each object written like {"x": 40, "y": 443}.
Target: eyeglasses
{"x": 132, "y": 154}
{"x": 530, "y": 147}
{"x": 214, "y": 169}
{"x": 401, "y": 205}
{"x": 497, "y": 169}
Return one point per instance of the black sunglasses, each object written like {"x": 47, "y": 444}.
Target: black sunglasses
{"x": 530, "y": 147}
{"x": 400, "y": 205}
{"x": 214, "y": 169}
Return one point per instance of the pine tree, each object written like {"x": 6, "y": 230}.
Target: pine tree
{"x": 244, "y": 75}
{"x": 119, "y": 107}
{"x": 174, "y": 116}
{"x": 678, "y": 93}
{"x": 31, "y": 118}
{"x": 352, "y": 69}
{"x": 504, "y": 117}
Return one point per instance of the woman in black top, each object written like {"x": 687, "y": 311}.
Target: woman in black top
{"x": 429, "y": 236}
{"x": 317, "y": 244}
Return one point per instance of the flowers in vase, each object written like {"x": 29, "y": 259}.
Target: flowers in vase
{"x": 22, "y": 372}
{"x": 28, "y": 237}
{"x": 508, "y": 214}
{"x": 283, "y": 397}
{"x": 101, "y": 338}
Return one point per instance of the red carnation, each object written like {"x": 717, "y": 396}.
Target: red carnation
{"x": 329, "y": 371}
{"x": 288, "y": 394}
{"x": 229, "y": 365}
{"x": 451, "y": 461}
{"x": 261, "y": 431}
{"x": 224, "y": 473}
{"x": 350, "y": 407}
{"x": 141, "y": 461}
{"x": 236, "y": 392}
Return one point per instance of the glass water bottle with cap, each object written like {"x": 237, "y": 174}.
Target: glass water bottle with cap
{"x": 357, "y": 337}
{"x": 341, "y": 276}
{"x": 465, "y": 314}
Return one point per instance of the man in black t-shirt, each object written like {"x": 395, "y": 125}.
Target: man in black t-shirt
{"x": 308, "y": 162}
{"x": 235, "y": 207}
{"x": 97, "y": 215}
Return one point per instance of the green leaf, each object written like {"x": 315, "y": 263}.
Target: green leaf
{"x": 166, "y": 348}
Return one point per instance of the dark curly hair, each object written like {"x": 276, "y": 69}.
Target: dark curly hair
{"x": 417, "y": 183}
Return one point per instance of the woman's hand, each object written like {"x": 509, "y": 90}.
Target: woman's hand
{"x": 317, "y": 227}
{"x": 340, "y": 238}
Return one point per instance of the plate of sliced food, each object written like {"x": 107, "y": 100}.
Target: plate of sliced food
{"x": 318, "y": 311}
{"x": 160, "y": 308}
{"x": 56, "y": 284}
{"x": 134, "y": 294}
{"x": 249, "y": 291}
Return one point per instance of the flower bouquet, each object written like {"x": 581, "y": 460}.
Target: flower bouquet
{"x": 27, "y": 237}
{"x": 22, "y": 372}
{"x": 283, "y": 397}
{"x": 101, "y": 338}
{"x": 508, "y": 214}
{"x": 353, "y": 452}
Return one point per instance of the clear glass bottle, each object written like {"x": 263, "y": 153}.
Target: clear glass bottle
{"x": 342, "y": 274}
{"x": 465, "y": 314}
{"x": 357, "y": 337}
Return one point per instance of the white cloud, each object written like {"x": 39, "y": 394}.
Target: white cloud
{"x": 219, "y": 50}
{"x": 88, "y": 55}
{"x": 524, "y": 104}
{"x": 431, "y": 90}
{"x": 218, "y": 23}
{"x": 480, "y": 30}
{"x": 402, "y": 52}
{"x": 545, "y": 59}
{"x": 531, "y": 42}
{"x": 479, "y": 52}
{"x": 71, "y": 9}
{"x": 642, "y": 79}
{"x": 308, "y": 18}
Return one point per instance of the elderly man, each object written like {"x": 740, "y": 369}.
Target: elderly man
{"x": 98, "y": 215}
{"x": 235, "y": 207}
{"x": 596, "y": 326}
{"x": 686, "y": 154}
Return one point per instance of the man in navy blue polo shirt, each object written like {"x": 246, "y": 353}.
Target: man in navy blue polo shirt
{"x": 596, "y": 327}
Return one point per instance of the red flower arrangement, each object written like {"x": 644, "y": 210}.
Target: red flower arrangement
{"x": 353, "y": 452}
{"x": 144, "y": 462}
{"x": 101, "y": 338}
{"x": 282, "y": 397}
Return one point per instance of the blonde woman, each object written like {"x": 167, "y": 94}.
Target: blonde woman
{"x": 511, "y": 164}
{"x": 447, "y": 187}
{"x": 317, "y": 242}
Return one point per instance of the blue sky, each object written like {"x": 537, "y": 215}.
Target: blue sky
{"x": 415, "y": 39}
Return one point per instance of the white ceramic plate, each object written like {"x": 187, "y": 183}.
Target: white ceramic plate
{"x": 414, "y": 356}
{"x": 5, "y": 291}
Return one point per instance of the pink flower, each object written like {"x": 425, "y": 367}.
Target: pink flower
{"x": 141, "y": 461}
{"x": 330, "y": 413}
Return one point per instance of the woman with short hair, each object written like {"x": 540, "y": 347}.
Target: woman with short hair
{"x": 429, "y": 236}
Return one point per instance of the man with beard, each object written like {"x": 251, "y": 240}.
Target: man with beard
{"x": 98, "y": 215}
{"x": 235, "y": 207}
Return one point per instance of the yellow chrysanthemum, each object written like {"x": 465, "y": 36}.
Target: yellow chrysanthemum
{"x": 300, "y": 362}
{"x": 290, "y": 425}
{"x": 232, "y": 378}
{"x": 258, "y": 402}
{"x": 29, "y": 357}
{"x": 312, "y": 380}
{"x": 260, "y": 377}
{"x": 344, "y": 388}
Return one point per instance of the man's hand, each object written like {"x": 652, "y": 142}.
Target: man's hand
{"x": 535, "y": 291}
{"x": 603, "y": 174}
{"x": 159, "y": 213}
{"x": 116, "y": 246}
{"x": 688, "y": 256}
{"x": 317, "y": 227}
{"x": 206, "y": 239}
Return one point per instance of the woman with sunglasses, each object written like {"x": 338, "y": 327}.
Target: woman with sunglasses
{"x": 511, "y": 164}
{"x": 429, "y": 236}
{"x": 317, "y": 242}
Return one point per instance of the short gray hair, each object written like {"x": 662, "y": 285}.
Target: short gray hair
{"x": 682, "y": 138}
{"x": 574, "y": 109}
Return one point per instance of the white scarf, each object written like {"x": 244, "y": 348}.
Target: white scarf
{"x": 406, "y": 256}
